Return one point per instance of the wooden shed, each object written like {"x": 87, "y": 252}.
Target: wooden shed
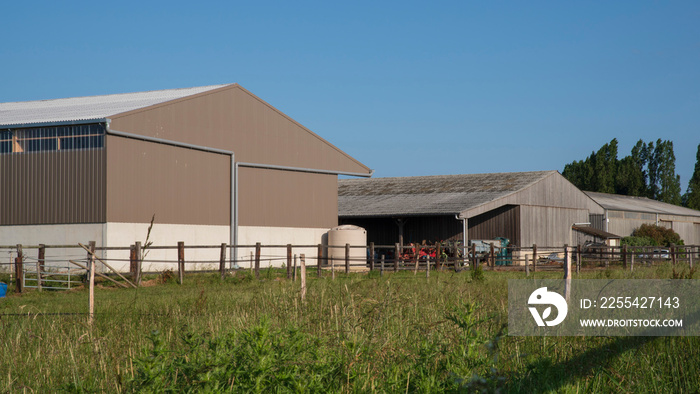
{"x": 525, "y": 207}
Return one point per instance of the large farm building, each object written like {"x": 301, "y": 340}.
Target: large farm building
{"x": 624, "y": 214}
{"x": 214, "y": 164}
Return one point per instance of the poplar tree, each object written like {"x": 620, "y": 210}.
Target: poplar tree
{"x": 691, "y": 199}
{"x": 665, "y": 183}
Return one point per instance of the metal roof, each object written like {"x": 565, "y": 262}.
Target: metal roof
{"x": 595, "y": 232}
{"x": 88, "y": 108}
{"x": 618, "y": 202}
{"x": 428, "y": 195}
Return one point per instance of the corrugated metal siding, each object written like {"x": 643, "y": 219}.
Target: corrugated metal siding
{"x": 286, "y": 198}
{"x": 88, "y": 108}
{"x": 234, "y": 119}
{"x": 501, "y": 222}
{"x": 178, "y": 185}
{"x": 52, "y": 187}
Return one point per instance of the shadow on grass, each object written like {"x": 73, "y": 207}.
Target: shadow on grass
{"x": 544, "y": 376}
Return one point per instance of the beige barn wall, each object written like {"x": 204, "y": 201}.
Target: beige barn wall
{"x": 234, "y": 119}
{"x": 276, "y": 198}
{"x": 178, "y": 185}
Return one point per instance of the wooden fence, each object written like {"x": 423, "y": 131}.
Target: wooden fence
{"x": 383, "y": 258}
{"x": 380, "y": 258}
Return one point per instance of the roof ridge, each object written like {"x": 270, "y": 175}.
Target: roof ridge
{"x": 209, "y": 87}
{"x": 446, "y": 175}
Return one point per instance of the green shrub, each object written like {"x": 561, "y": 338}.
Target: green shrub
{"x": 661, "y": 235}
{"x": 639, "y": 241}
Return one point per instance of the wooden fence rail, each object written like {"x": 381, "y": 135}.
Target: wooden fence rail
{"x": 394, "y": 257}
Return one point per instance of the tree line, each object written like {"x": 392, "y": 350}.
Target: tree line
{"x": 648, "y": 171}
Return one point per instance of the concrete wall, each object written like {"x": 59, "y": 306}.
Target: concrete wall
{"x": 126, "y": 234}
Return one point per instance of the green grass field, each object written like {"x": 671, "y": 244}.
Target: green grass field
{"x": 361, "y": 333}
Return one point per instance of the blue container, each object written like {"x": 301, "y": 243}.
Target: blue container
{"x": 3, "y": 289}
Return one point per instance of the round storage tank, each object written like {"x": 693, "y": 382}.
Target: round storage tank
{"x": 347, "y": 234}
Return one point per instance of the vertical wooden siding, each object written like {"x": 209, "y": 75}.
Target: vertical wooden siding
{"x": 52, "y": 187}
{"x": 501, "y": 222}
{"x": 549, "y": 226}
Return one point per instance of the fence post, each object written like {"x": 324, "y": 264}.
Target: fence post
{"x": 673, "y": 254}
{"x": 427, "y": 266}
{"x": 132, "y": 263}
{"x": 294, "y": 277}
{"x": 303, "y": 276}
{"x": 91, "y": 266}
{"x": 319, "y": 272}
{"x": 347, "y": 259}
{"x": 474, "y": 256}
{"x": 534, "y": 257}
{"x": 438, "y": 254}
{"x": 180, "y": 261}
{"x": 40, "y": 265}
{"x": 371, "y": 256}
{"x": 19, "y": 270}
{"x": 415, "y": 260}
{"x": 381, "y": 267}
{"x": 492, "y": 257}
{"x": 632, "y": 260}
{"x": 397, "y": 256}
{"x": 578, "y": 259}
{"x": 567, "y": 273}
{"x": 690, "y": 256}
{"x": 137, "y": 263}
{"x": 222, "y": 261}
{"x": 527, "y": 265}
{"x": 257, "y": 260}
{"x": 289, "y": 261}
{"x": 332, "y": 265}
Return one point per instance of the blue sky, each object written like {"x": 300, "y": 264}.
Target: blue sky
{"x": 408, "y": 88}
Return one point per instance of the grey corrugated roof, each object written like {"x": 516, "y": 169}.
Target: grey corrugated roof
{"x": 88, "y": 108}
{"x": 595, "y": 232}
{"x": 618, "y": 202}
{"x": 428, "y": 195}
